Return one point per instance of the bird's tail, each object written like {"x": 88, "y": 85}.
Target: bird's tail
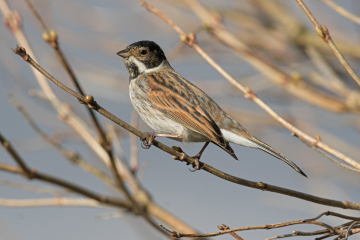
{"x": 228, "y": 149}
{"x": 266, "y": 148}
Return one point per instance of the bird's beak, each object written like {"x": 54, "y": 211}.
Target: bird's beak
{"x": 124, "y": 53}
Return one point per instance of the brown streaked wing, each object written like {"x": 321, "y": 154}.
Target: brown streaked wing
{"x": 175, "y": 97}
{"x": 182, "y": 109}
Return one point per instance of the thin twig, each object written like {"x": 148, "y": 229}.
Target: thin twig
{"x": 349, "y": 229}
{"x": 91, "y": 103}
{"x": 333, "y": 82}
{"x": 323, "y": 32}
{"x": 320, "y": 151}
{"x": 329, "y": 213}
{"x": 296, "y": 29}
{"x": 342, "y": 11}
{"x": 34, "y": 188}
{"x": 8, "y": 147}
{"x": 133, "y": 142}
{"x": 227, "y": 231}
{"x": 138, "y": 210}
{"x": 235, "y": 235}
{"x": 52, "y": 38}
{"x": 45, "y": 202}
{"x": 62, "y": 183}
{"x": 73, "y": 157}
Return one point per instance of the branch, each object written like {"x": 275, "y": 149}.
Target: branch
{"x": 45, "y": 202}
{"x": 73, "y": 157}
{"x": 323, "y": 32}
{"x": 228, "y": 231}
{"x": 224, "y": 227}
{"x": 342, "y": 11}
{"x": 295, "y": 29}
{"x": 32, "y": 188}
{"x": 328, "y": 213}
{"x": 62, "y": 183}
{"x": 52, "y": 38}
{"x": 328, "y": 231}
{"x": 133, "y": 143}
{"x": 309, "y": 144}
{"x": 91, "y": 103}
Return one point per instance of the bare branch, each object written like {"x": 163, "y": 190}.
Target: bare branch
{"x": 225, "y": 227}
{"x": 46, "y": 202}
{"x": 317, "y": 149}
{"x": 59, "y": 182}
{"x": 327, "y": 232}
{"x": 227, "y": 231}
{"x": 34, "y": 188}
{"x": 73, "y": 157}
{"x": 134, "y": 149}
{"x": 328, "y": 213}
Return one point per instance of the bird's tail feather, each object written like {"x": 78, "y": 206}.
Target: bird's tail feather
{"x": 228, "y": 149}
{"x": 266, "y": 148}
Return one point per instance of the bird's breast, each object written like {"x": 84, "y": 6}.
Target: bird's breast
{"x": 155, "y": 119}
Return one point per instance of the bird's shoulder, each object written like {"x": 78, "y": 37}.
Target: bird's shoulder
{"x": 171, "y": 83}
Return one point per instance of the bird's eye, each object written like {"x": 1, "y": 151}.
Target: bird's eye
{"x": 143, "y": 52}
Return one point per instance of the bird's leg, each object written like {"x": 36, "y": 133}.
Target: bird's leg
{"x": 197, "y": 157}
{"x": 147, "y": 144}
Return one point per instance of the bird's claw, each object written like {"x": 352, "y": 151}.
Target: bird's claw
{"x": 145, "y": 144}
{"x": 197, "y": 165}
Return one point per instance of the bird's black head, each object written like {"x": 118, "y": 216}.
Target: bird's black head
{"x": 142, "y": 56}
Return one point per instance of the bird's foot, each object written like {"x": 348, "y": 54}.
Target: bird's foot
{"x": 183, "y": 156}
{"x": 145, "y": 144}
{"x": 197, "y": 165}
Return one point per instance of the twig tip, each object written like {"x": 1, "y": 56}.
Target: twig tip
{"x": 21, "y": 51}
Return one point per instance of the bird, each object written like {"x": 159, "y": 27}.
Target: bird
{"x": 175, "y": 108}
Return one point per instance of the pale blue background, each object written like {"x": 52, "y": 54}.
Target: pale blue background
{"x": 90, "y": 33}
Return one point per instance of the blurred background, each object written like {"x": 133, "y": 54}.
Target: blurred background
{"x": 91, "y": 32}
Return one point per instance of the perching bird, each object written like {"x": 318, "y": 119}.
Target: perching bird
{"x": 175, "y": 108}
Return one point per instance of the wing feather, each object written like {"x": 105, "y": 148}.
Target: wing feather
{"x": 177, "y": 99}
{"x": 184, "y": 112}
